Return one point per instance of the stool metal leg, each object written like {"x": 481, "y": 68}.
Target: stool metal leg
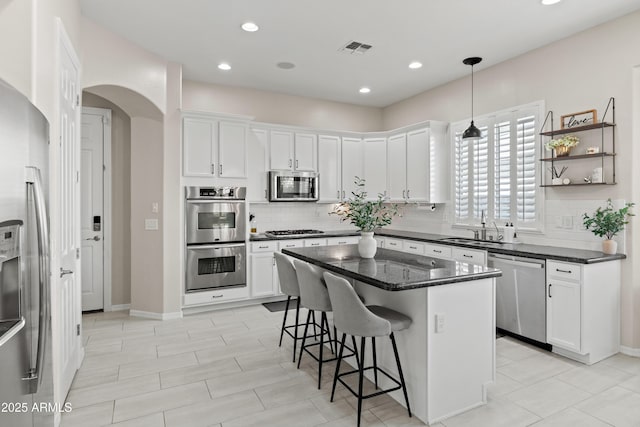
{"x": 375, "y": 362}
{"x": 404, "y": 386}
{"x": 304, "y": 337}
{"x": 335, "y": 376}
{"x": 360, "y": 379}
{"x": 323, "y": 320}
{"x": 295, "y": 331}
{"x": 284, "y": 321}
{"x": 315, "y": 331}
{"x": 355, "y": 351}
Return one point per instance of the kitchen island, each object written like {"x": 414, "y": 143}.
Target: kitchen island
{"x": 448, "y": 353}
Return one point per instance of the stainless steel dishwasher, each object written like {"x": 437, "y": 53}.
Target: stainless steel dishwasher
{"x": 521, "y": 303}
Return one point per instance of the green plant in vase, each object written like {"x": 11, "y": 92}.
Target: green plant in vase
{"x": 607, "y": 222}
{"x": 562, "y": 146}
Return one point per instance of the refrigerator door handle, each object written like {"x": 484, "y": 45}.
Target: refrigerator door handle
{"x": 35, "y": 181}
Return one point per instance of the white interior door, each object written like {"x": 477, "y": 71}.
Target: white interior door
{"x": 67, "y": 355}
{"x": 92, "y": 209}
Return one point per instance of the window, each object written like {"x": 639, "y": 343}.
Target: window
{"x": 499, "y": 173}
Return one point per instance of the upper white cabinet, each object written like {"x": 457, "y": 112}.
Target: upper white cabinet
{"x": 352, "y": 164}
{"x": 418, "y": 168}
{"x": 375, "y": 167}
{"x": 289, "y": 151}
{"x": 258, "y": 143}
{"x": 329, "y": 167}
{"x": 214, "y": 148}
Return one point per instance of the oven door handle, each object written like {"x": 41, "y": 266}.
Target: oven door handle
{"x": 213, "y": 200}
{"x": 216, "y": 246}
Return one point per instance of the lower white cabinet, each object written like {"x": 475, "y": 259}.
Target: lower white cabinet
{"x": 583, "y": 309}
{"x": 263, "y": 273}
{"x": 215, "y": 296}
{"x": 347, "y": 240}
{"x": 472, "y": 256}
{"x": 437, "y": 251}
{"x": 413, "y": 247}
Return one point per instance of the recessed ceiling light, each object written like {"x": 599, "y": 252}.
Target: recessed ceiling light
{"x": 250, "y": 27}
{"x": 415, "y": 65}
{"x": 224, "y": 66}
{"x": 286, "y": 65}
{"x": 365, "y": 90}
{"x": 550, "y": 2}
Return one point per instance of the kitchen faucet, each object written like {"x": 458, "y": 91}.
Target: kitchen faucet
{"x": 483, "y": 221}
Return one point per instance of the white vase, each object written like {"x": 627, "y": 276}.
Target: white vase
{"x": 609, "y": 247}
{"x": 367, "y": 246}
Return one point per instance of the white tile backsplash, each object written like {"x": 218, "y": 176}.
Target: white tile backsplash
{"x": 562, "y": 221}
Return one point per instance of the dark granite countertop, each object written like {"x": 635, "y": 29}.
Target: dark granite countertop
{"x": 391, "y": 270}
{"x": 262, "y": 237}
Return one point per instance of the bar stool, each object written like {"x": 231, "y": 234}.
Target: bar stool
{"x": 289, "y": 286}
{"x": 352, "y": 317}
{"x": 315, "y": 297}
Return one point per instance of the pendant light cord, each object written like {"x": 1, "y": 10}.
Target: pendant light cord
{"x": 472, "y": 93}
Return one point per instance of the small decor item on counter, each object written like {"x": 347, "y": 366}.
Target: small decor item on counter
{"x": 366, "y": 215}
{"x": 253, "y": 225}
{"x": 509, "y": 232}
{"x": 593, "y": 150}
{"x": 562, "y": 146}
{"x": 607, "y": 223}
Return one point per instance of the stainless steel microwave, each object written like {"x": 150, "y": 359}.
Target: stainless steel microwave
{"x": 287, "y": 186}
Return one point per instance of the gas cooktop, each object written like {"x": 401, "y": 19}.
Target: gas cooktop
{"x": 284, "y": 233}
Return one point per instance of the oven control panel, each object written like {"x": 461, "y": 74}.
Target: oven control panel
{"x": 225, "y": 193}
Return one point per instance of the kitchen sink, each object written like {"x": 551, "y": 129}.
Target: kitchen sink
{"x": 487, "y": 243}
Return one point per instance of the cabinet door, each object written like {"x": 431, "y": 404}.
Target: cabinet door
{"x": 305, "y": 148}
{"x": 329, "y": 168}
{"x": 262, "y": 267}
{"x": 418, "y": 165}
{"x": 391, "y": 243}
{"x": 375, "y": 167}
{"x": 471, "y": 256}
{"x": 281, "y": 150}
{"x": 257, "y": 147}
{"x": 232, "y": 149}
{"x": 397, "y": 166}
{"x": 198, "y": 142}
{"x": 563, "y": 314}
{"x": 351, "y": 164}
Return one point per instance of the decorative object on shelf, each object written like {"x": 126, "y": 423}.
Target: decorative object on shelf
{"x": 556, "y": 176}
{"x": 587, "y": 179}
{"x": 593, "y": 150}
{"x": 596, "y": 176}
{"x": 583, "y": 118}
{"x": 366, "y": 215}
{"x": 472, "y": 133}
{"x": 562, "y": 146}
{"x": 566, "y": 181}
{"x": 607, "y": 223}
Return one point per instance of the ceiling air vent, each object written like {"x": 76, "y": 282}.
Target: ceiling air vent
{"x": 355, "y": 47}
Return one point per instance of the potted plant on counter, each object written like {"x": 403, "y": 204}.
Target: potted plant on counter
{"x": 607, "y": 223}
{"x": 366, "y": 215}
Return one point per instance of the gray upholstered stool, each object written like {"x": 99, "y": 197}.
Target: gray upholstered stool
{"x": 315, "y": 297}
{"x": 352, "y": 317}
{"x": 289, "y": 286}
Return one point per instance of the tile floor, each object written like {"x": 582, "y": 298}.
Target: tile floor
{"x": 225, "y": 369}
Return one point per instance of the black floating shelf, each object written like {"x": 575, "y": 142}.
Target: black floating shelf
{"x": 577, "y": 157}
{"x": 577, "y": 185}
{"x": 578, "y": 129}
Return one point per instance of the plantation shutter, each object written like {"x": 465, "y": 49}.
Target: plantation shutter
{"x": 462, "y": 176}
{"x": 481, "y": 174}
{"x": 502, "y": 170}
{"x": 526, "y": 183}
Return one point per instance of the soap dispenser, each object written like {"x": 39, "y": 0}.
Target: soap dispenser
{"x": 253, "y": 224}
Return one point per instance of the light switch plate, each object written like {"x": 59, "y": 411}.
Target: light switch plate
{"x": 150, "y": 224}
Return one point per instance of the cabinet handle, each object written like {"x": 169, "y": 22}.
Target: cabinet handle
{"x": 217, "y": 296}
{"x": 467, "y": 256}
{"x": 343, "y": 195}
{"x": 263, "y": 247}
{"x": 436, "y": 251}
{"x": 213, "y": 169}
{"x": 290, "y": 162}
{"x": 549, "y": 290}
{"x": 403, "y": 194}
{"x": 338, "y": 194}
{"x": 563, "y": 271}
{"x": 297, "y": 163}
{"x": 413, "y": 247}
{"x": 220, "y": 169}
{"x": 408, "y": 194}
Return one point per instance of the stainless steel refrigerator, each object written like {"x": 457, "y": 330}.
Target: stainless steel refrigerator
{"x": 26, "y": 380}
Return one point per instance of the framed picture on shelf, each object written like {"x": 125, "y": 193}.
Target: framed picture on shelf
{"x": 581, "y": 118}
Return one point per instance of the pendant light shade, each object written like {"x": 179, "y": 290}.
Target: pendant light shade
{"x": 472, "y": 132}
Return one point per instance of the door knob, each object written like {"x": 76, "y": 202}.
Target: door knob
{"x": 64, "y": 272}
{"x": 96, "y": 238}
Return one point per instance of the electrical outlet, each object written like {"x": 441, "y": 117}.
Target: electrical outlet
{"x": 150, "y": 224}
{"x": 439, "y": 323}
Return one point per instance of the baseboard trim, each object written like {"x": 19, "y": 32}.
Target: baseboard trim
{"x": 155, "y": 316}
{"x": 630, "y": 351}
{"x": 120, "y": 307}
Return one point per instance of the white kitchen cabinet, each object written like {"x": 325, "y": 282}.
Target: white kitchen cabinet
{"x": 379, "y": 241}
{"x": 312, "y": 243}
{"x": 583, "y": 309}
{"x": 346, "y": 240}
{"x": 258, "y": 144}
{"x": 393, "y": 243}
{"x": 418, "y": 165}
{"x": 214, "y": 148}
{"x": 289, "y": 151}
{"x": 413, "y": 247}
{"x": 352, "y": 164}
{"x": 329, "y": 168}
{"x": 289, "y": 244}
{"x": 375, "y": 167}
{"x": 194, "y": 299}
{"x": 263, "y": 272}
{"x": 472, "y": 256}
{"x": 437, "y": 251}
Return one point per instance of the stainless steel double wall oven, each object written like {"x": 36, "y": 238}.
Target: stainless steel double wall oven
{"x": 215, "y": 233}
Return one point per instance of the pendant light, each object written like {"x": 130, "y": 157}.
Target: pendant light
{"x": 472, "y": 133}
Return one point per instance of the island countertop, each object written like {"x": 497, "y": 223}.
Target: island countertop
{"x": 391, "y": 270}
